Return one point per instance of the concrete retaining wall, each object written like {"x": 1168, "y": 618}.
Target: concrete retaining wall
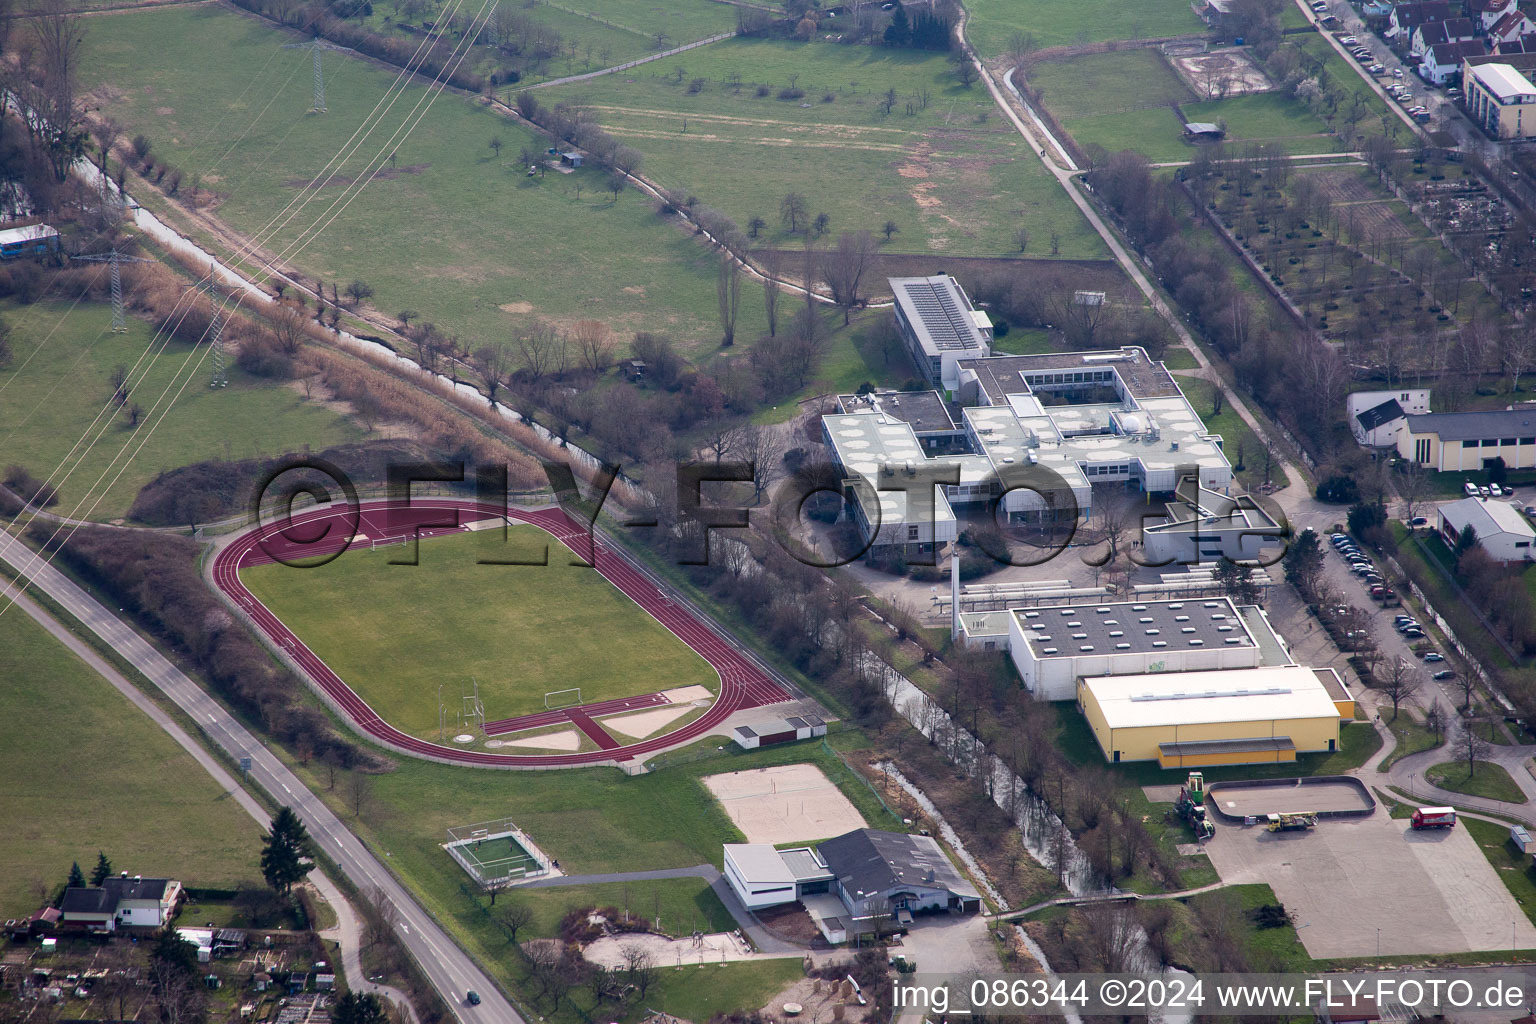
{"x": 1213, "y": 790}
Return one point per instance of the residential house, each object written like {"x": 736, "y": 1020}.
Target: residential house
{"x": 1434, "y": 33}
{"x": 1510, "y": 28}
{"x": 1511, "y": 47}
{"x": 1499, "y": 527}
{"x": 1375, "y": 416}
{"x": 1407, "y": 17}
{"x": 1485, "y": 13}
{"x": 135, "y": 902}
{"x": 1443, "y": 63}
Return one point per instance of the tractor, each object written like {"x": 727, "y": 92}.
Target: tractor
{"x": 1190, "y": 806}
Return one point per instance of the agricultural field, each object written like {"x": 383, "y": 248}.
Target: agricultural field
{"x": 60, "y": 382}
{"x": 447, "y": 227}
{"x": 993, "y": 23}
{"x": 742, "y": 123}
{"x": 65, "y": 807}
{"x": 394, "y": 632}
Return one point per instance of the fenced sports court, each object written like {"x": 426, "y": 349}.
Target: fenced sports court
{"x": 493, "y": 852}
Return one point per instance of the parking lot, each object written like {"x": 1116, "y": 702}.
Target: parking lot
{"x": 1372, "y": 885}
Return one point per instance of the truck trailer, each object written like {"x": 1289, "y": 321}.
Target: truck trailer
{"x": 1434, "y": 817}
{"x": 1290, "y": 821}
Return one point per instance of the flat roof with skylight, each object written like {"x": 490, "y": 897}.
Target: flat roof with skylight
{"x": 1206, "y": 697}
{"x": 1143, "y": 627}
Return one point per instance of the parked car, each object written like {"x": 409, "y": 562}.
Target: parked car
{"x": 1495, "y": 490}
{"x": 1484, "y": 492}
{"x": 1378, "y": 69}
{"x": 1434, "y": 656}
{"x": 1397, "y": 72}
{"x": 1388, "y": 594}
{"x": 1376, "y": 590}
{"x": 1414, "y": 633}
{"x": 1398, "y": 620}
{"x": 1348, "y": 41}
{"x": 1444, "y": 673}
{"x": 1418, "y": 521}
{"x": 1470, "y": 489}
{"x": 1530, "y": 510}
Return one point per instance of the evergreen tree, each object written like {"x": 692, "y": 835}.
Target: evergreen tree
{"x": 173, "y": 951}
{"x": 899, "y": 31}
{"x": 1304, "y": 563}
{"x": 285, "y": 855}
{"x": 76, "y": 877}
{"x": 359, "y": 1008}
{"x": 103, "y": 869}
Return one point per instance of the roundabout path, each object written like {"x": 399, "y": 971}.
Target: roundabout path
{"x": 323, "y": 531}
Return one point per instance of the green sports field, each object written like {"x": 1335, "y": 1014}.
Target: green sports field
{"x": 949, "y": 170}
{"x": 395, "y": 632}
{"x": 88, "y": 771}
{"x": 59, "y": 382}
{"x": 447, "y": 228}
{"x": 1065, "y": 22}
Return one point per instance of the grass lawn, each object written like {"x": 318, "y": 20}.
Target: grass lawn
{"x": 1021, "y": 341}
{"x": 225, "y": 100}
{"x": 1238, "y": 440}
{"x": 1155, "y": 133}
{"x": 1108, "y": 83}
{"x": 1268, "y": 117}
{"x": 1059, "y": 22}
{"x": 59, "y": 382}
{"x": 1358, "y": 741}
{"x": 106, "y": 789}
{"x": 1515, "y": 869}
{"x": 952, "y": 174}
{"x": 1168, "y": 832}
{"x": 1180, "y": 358}
{"x": 1486, "y": 780}
{"x": 1276, "y": 949}
{"x": 682, "y": 905}
{"x": 395, "y": 631}
{"x": 1412, "y": 738}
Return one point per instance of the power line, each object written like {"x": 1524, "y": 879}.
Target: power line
{"x": 316, "y": 47}
{"x": 115, "y": 259}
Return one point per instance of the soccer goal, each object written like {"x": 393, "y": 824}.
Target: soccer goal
{"x": 562, "y": 698}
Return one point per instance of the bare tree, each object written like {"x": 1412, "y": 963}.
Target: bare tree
{"x": 793, "y": 211}
{"x": 844, "y": 266}
{"x": 763, "y": 446}
{"x": 359, "y": 790}
{"x": 492, "y": 362}
{"x": 49, "y": 89}
{"x": 594, "y": 344}
{"x": 639, "y": 967}
{"x": 773, "y": 265}
{"x": 728, "y": 296}
{"x": 1398, "y": 684}
{"x": 288, "y": 327}
{"x": 514, "y": 916}
{"x": 539, "y": 349}
{"x": 1473, "y": 747}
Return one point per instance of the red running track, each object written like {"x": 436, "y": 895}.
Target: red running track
{"x": 555, "y": 715}
{"x": 742, "y": 684}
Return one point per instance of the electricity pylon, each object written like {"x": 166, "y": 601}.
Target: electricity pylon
{"x": 316, "y": 46}
{"x": 114, "y": 259}
{"x": 220, "y": 376}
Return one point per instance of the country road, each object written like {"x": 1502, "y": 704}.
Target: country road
{"x": 447, "y": 967}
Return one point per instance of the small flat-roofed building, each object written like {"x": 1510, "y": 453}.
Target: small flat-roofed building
{"x": 1203, "y": 525}
{"x": 32, "y": 240}
{"x": 1468, "y": 441}
{"x": 939, "y": 325}
{"x": 778, "y": 730}
{"x": 1197, "y": 719}
{"x": 1497, "y": 97}
{"x": 1204, "y": 131}
{"x": 1053, "y": 645}
{"x": 987, "y": 631}
{"x": 1501, "y": 530}
{"x": 762, "y": 876}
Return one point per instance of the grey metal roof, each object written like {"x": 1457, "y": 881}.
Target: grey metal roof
{"x": 1001, "y": 376}
{"x": 1203, "y": 128}
{"x": 1376, "y": 415}
{"x": 805, "y": 865}
{"x": 923, "y": 411}
{"x": 869, "y": 861}
{"x": 1138, "y": 627}
{"x": 938, "y": 313}
{"x": 1475, "y": 426}
{"x": 136, "y": 888}
{"x": 1245, "y": 746}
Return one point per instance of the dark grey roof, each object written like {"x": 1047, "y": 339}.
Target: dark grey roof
{"x": 1375, "y": 416}
{"x": 1412, "y": 14}
{"x": 88, "y": 901}
{"x": 870, "y": 861}
{"x": 1139, "y": 627}
{"x": 136, "y": 888}
{"x": 1475, "y": 426}
{"x": 1455, "y": 53}
{"x": 1245, "y": 746}
{"x": 924, "y": 411}
{"x": 1433, "y": 34}
{"x": 938, "y": 312}
{"x": 1001, "y": 376}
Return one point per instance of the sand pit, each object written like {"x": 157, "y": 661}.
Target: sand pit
{"x": 785, "y": 803}
{"x": 686, "y": 694}
{"x": 569, "y": 739}
{"x": 708, "y": 949}
{"x": 1221, "y": 73}
{"x": 645, "y": 723}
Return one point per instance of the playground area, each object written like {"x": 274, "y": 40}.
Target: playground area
{"x": 712, "y": 948}
{"x": 784, "y": 803}
{"x": 1219, "y": 74}
{"x": 493, "y": 852}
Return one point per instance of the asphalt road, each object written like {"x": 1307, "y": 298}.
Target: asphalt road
{"x": 449, "y": 969}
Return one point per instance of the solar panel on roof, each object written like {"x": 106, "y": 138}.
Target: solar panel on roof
{"x": 947, "y": 325}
